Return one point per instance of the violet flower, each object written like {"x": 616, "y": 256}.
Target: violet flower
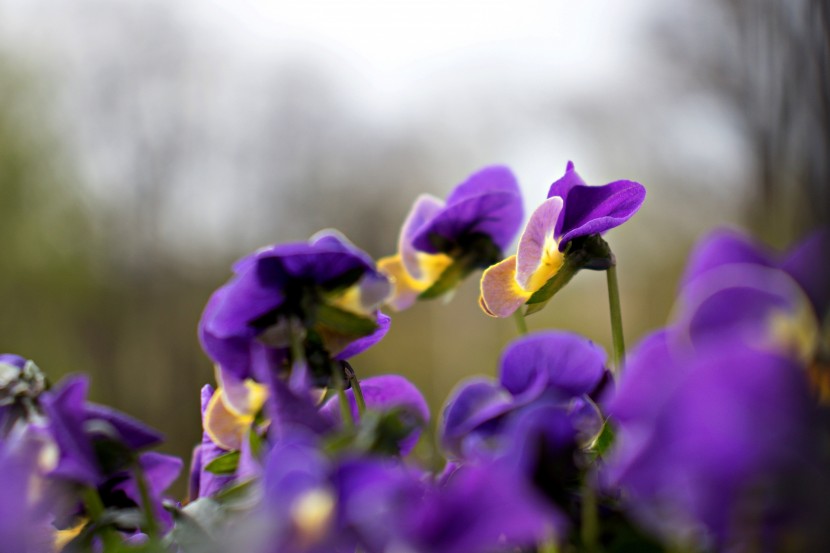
{"x": 572, "y": 213}
{"x": 717, "y": 447}
{"x": 551, "y": 366}
{"x": 441, "y": 242}
{"x": 297, "y": 291}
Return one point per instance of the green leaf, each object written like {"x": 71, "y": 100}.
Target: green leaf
{"x": 225, "y": 464}
{"x": 604, "y": 440}
{"x": 344, "y": 322}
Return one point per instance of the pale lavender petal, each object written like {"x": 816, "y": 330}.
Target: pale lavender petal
{"x": 538, "y": 232}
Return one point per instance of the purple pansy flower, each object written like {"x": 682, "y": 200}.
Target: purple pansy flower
{"x": 735, "y": 289}
{"x": 715, "y": 447}
{"x": 314, "y": 504}
{"x": 296, "y": 288}
{"x": 478, "y": 221}
{"x": 383, "y": 393}
{"x": 572, "y": 211}
{"x": 99, "y": 447}
{"x": 551, "y": 366}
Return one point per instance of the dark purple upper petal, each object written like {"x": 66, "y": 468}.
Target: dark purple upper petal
{"x": 809, "y": 264}
{"x": 488, "y": 202}
{"x": 597, "y": 209}
{"x": 565, "y": 363}
{"x": 133, "y": 433}
{"x": 65, "y": 408}
{"x": 477, "y": 402}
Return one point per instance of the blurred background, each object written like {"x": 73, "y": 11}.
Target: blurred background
{"x": 145, "y": 145}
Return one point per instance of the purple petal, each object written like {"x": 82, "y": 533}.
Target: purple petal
{"x": 383, "y": 393}
{"x": 475, "y": 403}
{"x": 736, "y": 302}
{"x": 497, "y": 215}
{"x": 723, "y": 247}
{"x": 133, "y": 433}
{"x": 233, "y": 307}
{"x": 597, "y": 209}
{"x": 65, "y": 410}
{"x": 492, "y": 179}
{"x": 423, "y": 210}
{"x": 809, "y": 264}
{"x": 362, "y": 344}
{"x": 13, "y": 360}
{"x": 563, "y": 186}
{"x": 571, "y": 364}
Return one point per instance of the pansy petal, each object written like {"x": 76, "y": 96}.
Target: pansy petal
{"x": 225, "y": 427}
{"x": 476, "y": 402}
{"x": 563, "y": 186}
{"x": 423, "y": 210}
{"x": 383, "y": 393}
{"x": 494, "y": 178}
{"x": 574, "y": 364}
{"x": 405, "y": 289}
{"x": 362, "y": 344}
{"x": 723, "y": 247}
{"x": 501, "y": 295}
{"x": 233, "y": 306}
{"x": 535, "y": 244}
{"x": 134, "y": 433}
{"x": 497, "y": 215}
{"x": 809, "y": 264}
{"x": 596, "y": 209}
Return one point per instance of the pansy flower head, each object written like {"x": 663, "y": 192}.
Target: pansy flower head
{"x": 557, "y": 241}
{"x": 442, "y": 242}
{"x": 320, "y": 296}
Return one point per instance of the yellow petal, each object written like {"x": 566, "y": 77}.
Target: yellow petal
{"x": 501, "y": 295}
{"x": 225, "y": 427}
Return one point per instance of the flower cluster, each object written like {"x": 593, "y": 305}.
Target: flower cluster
{"x": 710, "y": 435}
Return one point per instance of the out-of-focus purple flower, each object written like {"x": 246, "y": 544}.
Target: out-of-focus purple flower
{"x": 296, "y": 288}
{"x": 715, "y": 447}
{"x": 25, "y": 457}
{"x": 478, "y": 508}
{"x": 572, "y": 211}
{"x": 735, "y": 289}
{"x": 314, "y": 504}
{"x": 77, "y": 425}
{"x": 383, "y": 393}
{"x": 471, "y": 229}
{"x": 550, "y": 366}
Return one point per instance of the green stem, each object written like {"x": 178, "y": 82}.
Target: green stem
{"x": 618, "y": 352}
{"x": 95, "y": 510}
{"x": 296, "y": 339}
{"x": 152, "y": 527}
{"x": 521, "y": 323}
{"x": 589, "y": 532}
{"x": 342, "y": 399}
{"x": 358, "y": 394}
